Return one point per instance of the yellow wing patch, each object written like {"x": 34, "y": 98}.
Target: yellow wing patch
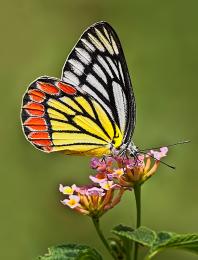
{"x": 71, "y": 103}
{"x": 85, "y": 104}
{"x": 64, "y": 138}
{"x": 90, "y": 126}
{"x": 57, "y": 126}
{"x": 78, "y": 149}
{"x": 89, "y": 137}
{"x": 104, "y": 119}
{"x": 55, "y": 114}
{"x": 61, "y": 107}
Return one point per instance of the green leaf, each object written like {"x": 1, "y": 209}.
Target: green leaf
{"x": 142, "y": 235}
{"x": 157, "y": 242}
{"x": 165, "y": 240}
{"x": 71, "y": 252}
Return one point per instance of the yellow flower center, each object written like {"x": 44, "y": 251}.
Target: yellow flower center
{"x": 72, "y": 202}
{"x": 68, "y": 190}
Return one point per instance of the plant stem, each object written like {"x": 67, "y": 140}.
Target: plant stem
{"x": 128, "y": 249}
{"x": 137, "y": 192}
{"x": 101, "y": 235}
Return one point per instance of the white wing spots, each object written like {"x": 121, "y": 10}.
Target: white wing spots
{"x": 121, "y": 72}
{"x": 69, "y": 77}
{"x": 99, "y": 72}
{"x": 77, "y": 67}
{"x": 96, "y": 42}
{"x": 113, "y": 66}
{"x": 115, "y": 47}
{"x": 88, "y": 45}
{"x": 96, "y": 84}
{"x": 96, "y": 97}
{"x": 120, "y": 102}
{"x": 104, "y": 41}
{"x": 83, "y": 55}
{"x": 106, "y": 33}
{"x": 105, "y": 65}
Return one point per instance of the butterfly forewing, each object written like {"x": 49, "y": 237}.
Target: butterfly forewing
{"x": 97, "y": 66}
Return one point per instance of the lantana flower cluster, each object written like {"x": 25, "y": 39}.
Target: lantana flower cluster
{"x": 114, "y": 175}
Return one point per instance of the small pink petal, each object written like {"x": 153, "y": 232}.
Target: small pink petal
{"x": 164, "y": 150}
{"x": 95, "y": 191}
{"x": 99, "y": 177}
{"x": 158, "y": 155}
{"x": 95, "y": 162}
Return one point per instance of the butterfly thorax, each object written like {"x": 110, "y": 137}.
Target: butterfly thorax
{"x": 126, "y": 149}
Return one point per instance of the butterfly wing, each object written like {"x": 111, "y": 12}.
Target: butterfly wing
{"x": 58, "y": 117}
{"x": 97, "y": 66}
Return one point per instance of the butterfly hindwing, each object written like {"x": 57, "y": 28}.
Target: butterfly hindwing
{"x": 97, "y": 65}
{"x": 58, "y": 117}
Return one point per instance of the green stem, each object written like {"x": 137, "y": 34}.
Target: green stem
{"x": 137, "y": 192}
{"x": 100, "y": 234}
{"x": 128, "y": 249}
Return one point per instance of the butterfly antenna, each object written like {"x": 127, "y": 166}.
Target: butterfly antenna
{"x": 170, "y": 166}
{"x": 181, "y": 142}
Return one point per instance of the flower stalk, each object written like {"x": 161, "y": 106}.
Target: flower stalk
{"x": 101, "y": 235}
{"x": 137, "y": 193}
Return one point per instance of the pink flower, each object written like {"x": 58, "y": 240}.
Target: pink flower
{"x": 158, "y": 155}
{"x": 113, "y": 177}
{"x": 101, "y": 165}
{"x": 67, "y": 189}
{"x": 94, "y": 201}
{"x": 72, "y": 202}
{"x": 95, "y": 191}
{"x": 127, "y": 172}
{"x": 107, "y": 185}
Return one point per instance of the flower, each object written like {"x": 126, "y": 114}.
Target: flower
{"x": 67, "y": 189}
{"x": 114, "y": 175}
{"x": 107, "y": 185}
{"x": 93, "y": 200}
{"x": 101, "y": 165}
{"x": 128, "y": 171}
{"x": 118, "y": 172}
{"x": 158, "y": 155}
{"x": 137, "y": 170}
{"x": 72, "y": 202}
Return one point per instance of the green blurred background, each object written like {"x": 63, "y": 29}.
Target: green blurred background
{"x": 160, "y": 41}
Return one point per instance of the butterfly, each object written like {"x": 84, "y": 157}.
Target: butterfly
{"x": 91, "y": 109}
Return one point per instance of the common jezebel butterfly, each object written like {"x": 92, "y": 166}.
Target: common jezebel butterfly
{"x": 91, "y": 109}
